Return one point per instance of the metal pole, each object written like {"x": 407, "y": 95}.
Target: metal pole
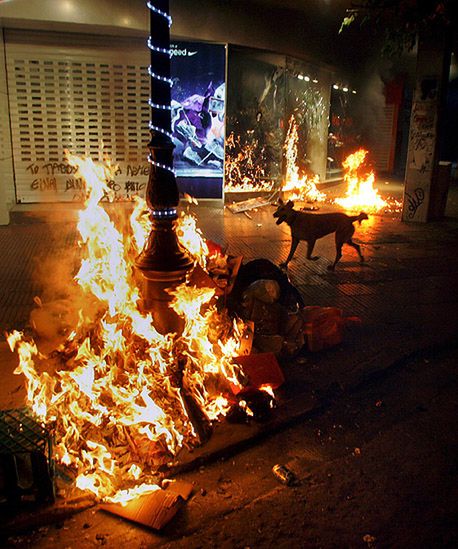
{"x": 163, "y": 262}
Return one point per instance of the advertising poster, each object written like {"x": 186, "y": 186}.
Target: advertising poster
{"x": 198, "y": 117}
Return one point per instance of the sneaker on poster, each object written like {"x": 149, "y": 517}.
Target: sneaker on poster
{"x": 191, "y": 155}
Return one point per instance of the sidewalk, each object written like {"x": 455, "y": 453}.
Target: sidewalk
{"x": 405, "y": 294}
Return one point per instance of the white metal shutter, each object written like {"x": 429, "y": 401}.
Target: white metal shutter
{"x": 382, "y": 146}
{"x": 76, "y": 92}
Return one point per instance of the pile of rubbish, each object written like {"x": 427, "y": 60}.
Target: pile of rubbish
{"x": 282, "y": 323}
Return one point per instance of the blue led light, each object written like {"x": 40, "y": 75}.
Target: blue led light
{"x": 160, "y": 12}
{"x": 157, "y": 49}
{"x": 164, "y": 214}
{"x": 160, "y": 78}
{"x": 160, "y": 165}
{"x": 158, "y": 106}
{"x": 160, "y": 130}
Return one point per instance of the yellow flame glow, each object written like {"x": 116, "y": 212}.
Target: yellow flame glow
{"x": 244, "y": 166}
{"x": 303, "y": 188}
{"x": 361, "y": 195}
{"x": 114, "y": 400}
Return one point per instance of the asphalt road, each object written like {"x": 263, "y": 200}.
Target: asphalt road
{"x": 378, "y": 468}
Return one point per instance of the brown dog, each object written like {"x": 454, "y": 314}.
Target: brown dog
{"x": 310, "y": 227}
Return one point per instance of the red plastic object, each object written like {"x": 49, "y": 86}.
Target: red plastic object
{"x": 323, "y": 327}
{"x": 262, "y": 369}
{"x": 214, "y": 248}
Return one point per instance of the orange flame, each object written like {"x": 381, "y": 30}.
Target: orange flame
{"x": 113, "y": 399}
{"x": 244, "y": 167}
{"x": 301, "y": 188}
{"x": 360, "y": 194}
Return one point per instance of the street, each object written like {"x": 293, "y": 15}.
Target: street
{"x": 378, "y": 468}
{"x": 228, "y": 276}
{"x": 368, "y": 427}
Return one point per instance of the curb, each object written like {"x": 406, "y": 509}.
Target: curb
{"x": 316, "y": 406}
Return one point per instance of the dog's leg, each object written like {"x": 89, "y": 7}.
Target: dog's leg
{"x": 294, "y": 243}
{"x": 338, "y": 256}
{"x": 310, "y": 246}
{"x": 357, "y": 248}
{"x": 339, "y": 240}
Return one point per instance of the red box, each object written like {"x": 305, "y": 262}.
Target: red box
{"x": 323, "y": 327}
{"x": 261, "y": 369}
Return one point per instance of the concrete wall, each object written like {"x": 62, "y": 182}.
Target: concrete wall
{"x": 6, "y": 153}
{"x": 124, "y": 16}
{"x": 423, "y": 183}
{"x": 303, "y": 34}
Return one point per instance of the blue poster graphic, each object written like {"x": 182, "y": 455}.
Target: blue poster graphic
{"x": 198, "y": 115}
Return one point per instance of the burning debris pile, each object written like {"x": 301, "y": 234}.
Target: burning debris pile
{"x": 361, "y": 193}
{"x": 298, "y": 187}
{"x": 122, "y": 398}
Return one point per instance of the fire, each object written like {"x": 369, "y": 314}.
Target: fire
{"x": 360, "y": 194}
{"x": 244, "y": 168}
{"x": 301, "y": 188}
{"x": 117, "y": 393}
{"x": 192, "y": 239}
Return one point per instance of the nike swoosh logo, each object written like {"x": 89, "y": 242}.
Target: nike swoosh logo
{"x": 191, "y": 53}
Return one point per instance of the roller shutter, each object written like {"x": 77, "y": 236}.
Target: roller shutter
{"x": 383, "y": 148}
{"x": 76, "y": 92}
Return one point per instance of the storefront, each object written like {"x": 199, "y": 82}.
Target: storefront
{"x": 74, "y": 80}
{"x": 89, "y": 95}
{"x": 74, "y": 93}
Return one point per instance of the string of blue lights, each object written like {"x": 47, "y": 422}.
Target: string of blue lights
{"x": 160, "y": 78}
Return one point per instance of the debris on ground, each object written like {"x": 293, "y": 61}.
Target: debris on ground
{"x": 156, "y": 509}
{"x": 284, "y": 475}
{"x": 250, "y": 204}
{"x": 283, "y": 325}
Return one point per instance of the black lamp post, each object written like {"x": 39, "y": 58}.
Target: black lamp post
{"x": 163, "y": 262}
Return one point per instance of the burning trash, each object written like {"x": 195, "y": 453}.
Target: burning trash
{"x": 361, "y": 193}
{"x": 299, "y": 187}
{"x": 121, "y": 398}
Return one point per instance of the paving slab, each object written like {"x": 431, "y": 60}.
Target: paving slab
{"x": 405, "y": 295}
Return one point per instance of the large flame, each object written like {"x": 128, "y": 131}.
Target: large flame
{"x": 298, "y": 187}
{"x": 361, "y": 193}
{"x": 115, "y": 391}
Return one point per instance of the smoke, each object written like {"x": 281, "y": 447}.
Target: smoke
{"x": 368, "y": 110}
{"x": 58, "y": 297}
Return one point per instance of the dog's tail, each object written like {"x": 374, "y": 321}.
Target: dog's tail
{"x": 361, "y": 217}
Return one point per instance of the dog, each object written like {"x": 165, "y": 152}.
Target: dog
{"x": 310, "y": 227}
